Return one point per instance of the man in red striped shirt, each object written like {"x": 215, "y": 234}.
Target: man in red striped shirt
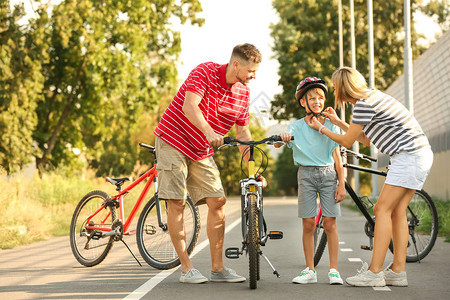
{"x": 211, "y": 100}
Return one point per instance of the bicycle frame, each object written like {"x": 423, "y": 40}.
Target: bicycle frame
{"x": 249, "y": 186}
{"x": 117, "y": 200}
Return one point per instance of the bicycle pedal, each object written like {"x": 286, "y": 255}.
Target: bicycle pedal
{"x": 95, "y": 235}
{"x": 275, "y": 235}
{"x": 366, "y": 247}
{"x": 232, "y": 253}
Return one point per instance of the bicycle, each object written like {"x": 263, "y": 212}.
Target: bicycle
{"x": 96, "y": 225}
{"x": 254, "y": 227}
{"x": 421, "y": 214}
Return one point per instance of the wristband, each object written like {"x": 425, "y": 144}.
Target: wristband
{"x": 321, "y": 128}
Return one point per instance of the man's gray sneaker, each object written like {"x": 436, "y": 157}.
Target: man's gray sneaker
{"x": 226, "y": 275}
{"x": 395, "y": 279}
{"x": 193, "y": 276}
{"x": 365, "y": 277}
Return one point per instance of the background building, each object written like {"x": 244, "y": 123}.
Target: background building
{"x": 432, "y": 109}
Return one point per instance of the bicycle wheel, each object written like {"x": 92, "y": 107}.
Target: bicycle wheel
{"x": 423, "y": 226}
{"x": 320, "y": 241}
{"x": 154, "y": 242}
{"x": 253, "y": 241}
{"x": 87, "y": 250}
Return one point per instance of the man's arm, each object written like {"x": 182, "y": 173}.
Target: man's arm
{"x": 195, "y": 116}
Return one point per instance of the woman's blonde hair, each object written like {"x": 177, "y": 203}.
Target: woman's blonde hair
{"x": 349, "y": 84}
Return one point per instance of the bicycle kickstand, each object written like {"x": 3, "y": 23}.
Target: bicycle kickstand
{"x": 131, "y": 252}
{"x": 275, "y": 272}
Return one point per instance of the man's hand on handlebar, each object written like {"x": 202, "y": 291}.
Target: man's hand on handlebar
{"x": 214, "y": 139}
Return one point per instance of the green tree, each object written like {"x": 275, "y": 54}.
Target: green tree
{"x": 440, "y": 10}
{"x": 285, "y": 174}
{"x": 306, "y": 43}
{"x": 108, "y": 63}
{"x": 21, "y": 83}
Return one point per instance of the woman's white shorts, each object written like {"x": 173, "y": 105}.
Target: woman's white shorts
{"x": 410, "y": 169}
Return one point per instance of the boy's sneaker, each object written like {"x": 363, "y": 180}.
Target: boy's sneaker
{"x": 395, "y": 279}
{"x": 365, "y": 277}
{"x": 226, "y": 275}
{"x": 306, "y": 276}
{"x": 193, "y": 276}
{"x": 335, "y": 277}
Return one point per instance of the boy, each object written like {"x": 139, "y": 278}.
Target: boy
{"x": 320, "y": 167}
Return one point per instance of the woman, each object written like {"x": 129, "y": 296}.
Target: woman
{"x": 382, "y": 120}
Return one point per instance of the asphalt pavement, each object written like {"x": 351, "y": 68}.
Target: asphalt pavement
{"x": 48, "y": 270}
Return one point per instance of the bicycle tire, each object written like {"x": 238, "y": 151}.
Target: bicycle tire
{"x": 154, "y": 242}
{"x": 253, "y": 244}
{"x": 90, "y": 252}
{"x": 320, "y": 241}
{"x": 426, "y": 226}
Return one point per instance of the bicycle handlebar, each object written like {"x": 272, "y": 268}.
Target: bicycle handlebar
{"x": 229, "y": 141}
{"x": 359, "y": 155}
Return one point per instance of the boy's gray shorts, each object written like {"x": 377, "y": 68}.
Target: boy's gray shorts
{"x": 314, "y": 182}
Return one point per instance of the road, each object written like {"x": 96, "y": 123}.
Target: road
{"x": 48, "y": 270}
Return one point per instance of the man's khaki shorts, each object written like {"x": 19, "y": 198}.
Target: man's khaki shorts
{"x": 178, "y": 175}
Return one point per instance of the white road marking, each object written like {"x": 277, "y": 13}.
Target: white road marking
{"x": 382, "y": 288}
{"x": 155, "y": 280}
{"x": 341, "y": 243}
{"x": 346, "y": 250}
{"x": 354, "y": 259}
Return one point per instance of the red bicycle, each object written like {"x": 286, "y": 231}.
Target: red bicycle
{"x": 96, "y": 224}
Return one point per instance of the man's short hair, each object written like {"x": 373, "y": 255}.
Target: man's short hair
{"x": 246, "y": 52}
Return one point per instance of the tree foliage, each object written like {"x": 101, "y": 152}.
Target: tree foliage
{"x": 306, "y": 43}
{"x": 20, "y": 86}
{"x": 285, "y": 174}
{"x": 78, "y": 79}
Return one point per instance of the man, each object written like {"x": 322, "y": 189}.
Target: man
{"x": 212, "y": 99}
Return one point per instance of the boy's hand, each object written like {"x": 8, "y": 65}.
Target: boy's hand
{"x": 339, "y": 195}
{"x": 285, "y": 137}
{"x": 331, "y": 114}
{"x": 259, "y": 177}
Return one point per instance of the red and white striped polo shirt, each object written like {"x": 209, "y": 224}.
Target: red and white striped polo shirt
{"x": 222, "y": 107}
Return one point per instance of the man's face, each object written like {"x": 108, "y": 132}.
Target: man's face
{"x": 246, "y": 72}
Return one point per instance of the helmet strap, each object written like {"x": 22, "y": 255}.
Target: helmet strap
{"x": 310, "y": 110}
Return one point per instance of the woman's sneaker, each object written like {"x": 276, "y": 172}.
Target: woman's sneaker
{"x": 365, "y": 277}
{"x": 306, "y": 276}
{"x": 395, "y": 279}
{"x": 335, "y": 277}
{"x": 193, "y": 276}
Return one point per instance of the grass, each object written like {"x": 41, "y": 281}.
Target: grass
{"x": 35, "y": 209}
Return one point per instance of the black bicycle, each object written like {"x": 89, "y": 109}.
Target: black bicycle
{"x": 254, "y": 227}
{"x": 421, "y": 214}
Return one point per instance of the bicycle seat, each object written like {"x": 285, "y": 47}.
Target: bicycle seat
{"x": 118, "y": 181}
